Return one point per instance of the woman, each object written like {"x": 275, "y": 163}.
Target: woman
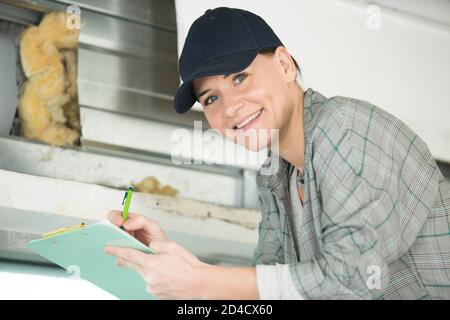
{"x": 353, "y": 204}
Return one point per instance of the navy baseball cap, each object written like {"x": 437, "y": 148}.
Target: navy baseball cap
{"x": 221, "y": 41}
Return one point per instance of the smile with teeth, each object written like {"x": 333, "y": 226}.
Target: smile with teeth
{"x": 248, "y": 119}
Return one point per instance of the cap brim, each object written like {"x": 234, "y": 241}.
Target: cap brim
{"x": 185, "y": 96}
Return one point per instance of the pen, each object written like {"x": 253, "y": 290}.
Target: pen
{"x": 126, "y": 204}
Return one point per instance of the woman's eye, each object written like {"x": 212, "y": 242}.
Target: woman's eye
{"x": 210, "y": 100}
{"x": 239, "y": 78}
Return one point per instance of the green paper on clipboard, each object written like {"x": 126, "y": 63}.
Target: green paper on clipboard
{"x": 82, "y": 249}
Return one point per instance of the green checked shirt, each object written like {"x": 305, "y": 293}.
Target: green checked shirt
{"x": 375, "y": 221}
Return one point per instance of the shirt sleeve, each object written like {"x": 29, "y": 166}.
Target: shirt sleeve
{"x": 269, "y": 248}
{"x": 275, "y": 283}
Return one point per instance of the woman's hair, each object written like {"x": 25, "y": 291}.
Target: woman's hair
{"x": 271, "y": 50}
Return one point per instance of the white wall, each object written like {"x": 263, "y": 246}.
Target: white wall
{"x": 403, "y": 67}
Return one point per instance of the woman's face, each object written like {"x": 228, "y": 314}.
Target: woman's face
{"x": 249, "y": 106}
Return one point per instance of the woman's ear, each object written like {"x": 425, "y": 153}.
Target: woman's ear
{"x": 285, "y": 61}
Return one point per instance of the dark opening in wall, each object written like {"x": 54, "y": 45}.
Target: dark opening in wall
{"x": 445, "y": 169}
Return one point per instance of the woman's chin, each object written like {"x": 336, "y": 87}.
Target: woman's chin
{"x": 256, "y": 145}
{"x": 253, "y": 139}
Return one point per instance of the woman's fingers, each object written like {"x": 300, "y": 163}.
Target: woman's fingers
{"x": 173, "y": 247}
{"x": 150, "y": 226}
{"x": 130, "y": 265}
{"x": 115, "y": 217}
{"x": 140, "y": 227}
{"x": 136, "y": 257}
{"x": 134, "y": 221}
{"x": 159, "y": 246}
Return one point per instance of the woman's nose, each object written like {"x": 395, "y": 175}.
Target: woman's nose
{"x": 233, "y": 103}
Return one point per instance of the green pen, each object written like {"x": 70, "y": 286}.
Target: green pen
{"x": 126, "y": 200}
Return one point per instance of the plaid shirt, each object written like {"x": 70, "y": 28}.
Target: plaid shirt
{"x": 376, "y": 219}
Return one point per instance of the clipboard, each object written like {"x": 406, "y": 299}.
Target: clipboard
{"x": 81, "y": 249}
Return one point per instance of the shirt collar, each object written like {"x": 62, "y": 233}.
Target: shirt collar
{"x": 275, "y": 168}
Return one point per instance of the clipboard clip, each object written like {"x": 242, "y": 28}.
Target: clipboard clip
{"x": 63, "y": 230}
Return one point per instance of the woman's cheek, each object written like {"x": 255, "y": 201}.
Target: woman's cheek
{"x": 214, "y": 121}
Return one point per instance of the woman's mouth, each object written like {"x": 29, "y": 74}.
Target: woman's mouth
{"x": 248, "y": 121}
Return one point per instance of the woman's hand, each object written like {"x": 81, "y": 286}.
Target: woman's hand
{"x": 172, "y": 273}
{"x": 144, "y": 229}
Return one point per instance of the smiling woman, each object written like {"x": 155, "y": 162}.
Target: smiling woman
{"x": 353, "y": 204}
{"x": 263, "y": 98}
